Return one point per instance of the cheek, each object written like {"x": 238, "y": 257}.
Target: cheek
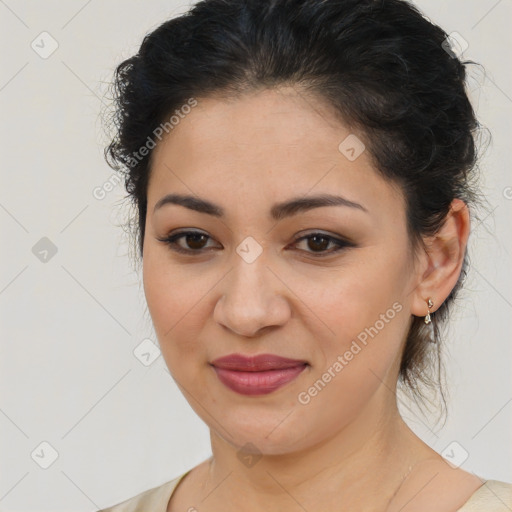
{"x": 366, "y": 321}
{"x": 174, "y": 298}
{"x": 359, "y": 294}
{"x": 352, "y": 366}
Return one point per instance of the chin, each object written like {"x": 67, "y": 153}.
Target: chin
{"x": 267, "y": 436}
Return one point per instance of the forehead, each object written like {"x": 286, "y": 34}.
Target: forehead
{"x": 277, "y": 118}
{"x": 265, "y": 147}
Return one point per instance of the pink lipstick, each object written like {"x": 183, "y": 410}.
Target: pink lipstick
{"x": 256, "y": 375}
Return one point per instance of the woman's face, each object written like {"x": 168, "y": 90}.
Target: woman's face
{"x": 245, "y": 283}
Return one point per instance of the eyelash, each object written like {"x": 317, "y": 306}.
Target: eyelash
{"x": 172, "y": 239}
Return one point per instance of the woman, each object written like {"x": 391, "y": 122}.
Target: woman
{"x": 301, "y": 171}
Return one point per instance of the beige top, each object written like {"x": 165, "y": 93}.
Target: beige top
{"x": 493, "y": 496}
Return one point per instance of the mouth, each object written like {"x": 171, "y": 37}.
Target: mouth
{"x": 257, "y": 375}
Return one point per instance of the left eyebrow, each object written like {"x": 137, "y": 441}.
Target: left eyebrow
{"x": 277, "y": 212}
{"x": 302, "y": 204}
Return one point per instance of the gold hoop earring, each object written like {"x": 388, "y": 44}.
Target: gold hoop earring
{"x": 428, "y": 318}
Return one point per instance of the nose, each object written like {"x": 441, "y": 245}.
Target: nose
{"x": 252, "y": 299}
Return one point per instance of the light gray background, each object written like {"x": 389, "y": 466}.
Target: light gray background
{"x": 69, "y": 325}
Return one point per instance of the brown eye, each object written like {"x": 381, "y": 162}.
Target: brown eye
{"x": 318, "y": 243}
{"x": 193, "y": 242}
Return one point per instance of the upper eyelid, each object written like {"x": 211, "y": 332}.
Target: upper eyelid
{"x": 341, "y": 238}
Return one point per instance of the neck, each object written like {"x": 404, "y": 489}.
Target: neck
{"x": 362, "y": 466}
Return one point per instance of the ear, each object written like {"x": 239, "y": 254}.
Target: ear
{"x": 442, "y": 262}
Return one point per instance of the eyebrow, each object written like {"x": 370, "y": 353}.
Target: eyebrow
{"x": 277, "y": 212}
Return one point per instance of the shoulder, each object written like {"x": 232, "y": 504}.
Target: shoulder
{"x": 155, "y": 499}
{"x": 492, "y": 496}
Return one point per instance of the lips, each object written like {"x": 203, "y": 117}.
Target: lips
{"x": 256, "y": 375}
